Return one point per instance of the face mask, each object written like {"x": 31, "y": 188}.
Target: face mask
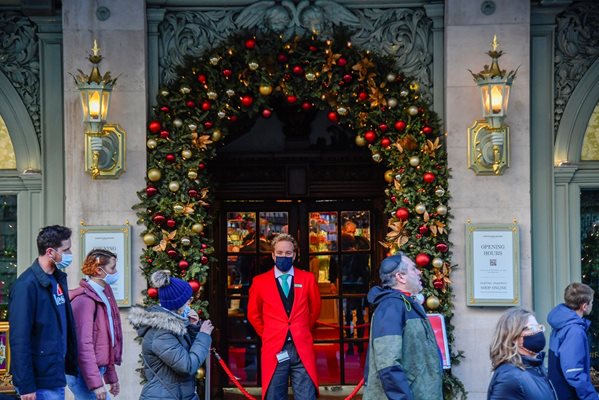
{"x": 535, "y": 343}
{"x": 110, "y": 279}
{"x": 186, "y": 311}
{"x": 67, "y": 259}
{"x": 284, "y": 263}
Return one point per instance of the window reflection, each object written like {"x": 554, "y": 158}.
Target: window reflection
{"x": 323, "y": 231}
{"x": 8, "y": 249}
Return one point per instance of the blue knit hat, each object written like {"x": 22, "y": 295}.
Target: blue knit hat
{"x": 173, "y": 293}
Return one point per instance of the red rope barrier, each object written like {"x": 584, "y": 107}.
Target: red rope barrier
{"x": 352, "y": 394}
{"x": 231, "y": 376}
{"x": 344, "y": 326}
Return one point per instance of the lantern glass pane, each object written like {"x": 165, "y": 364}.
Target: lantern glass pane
{"x": 496, "y": 99}
{"x": 85, "y": 104}
{"x": 94, "y": 104}
{"x": 105, "y": 101}
{"x": 506, "y": 98}
{"x": 484, "y": 92}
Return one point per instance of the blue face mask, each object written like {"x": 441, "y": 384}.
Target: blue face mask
{"x": 186, "y": 311}
{"x": 284, "y": 263}
{"x": 67, "y": 259}
{"x": 110, "y": 279}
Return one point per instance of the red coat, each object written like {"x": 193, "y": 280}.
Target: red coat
{"x": 267, "y": 315}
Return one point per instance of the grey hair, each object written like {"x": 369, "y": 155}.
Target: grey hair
{"x": 390, "y": 266}
{"x": 283, "y": 237}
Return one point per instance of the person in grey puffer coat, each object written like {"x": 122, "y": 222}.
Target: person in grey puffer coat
{"x": 173, "y": 345}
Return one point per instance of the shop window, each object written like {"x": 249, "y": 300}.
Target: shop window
{"x": 589, "y": 224}
{"x": 590, "y": 144}
{"x": 8, "y": 159}
{"x": 8, "y": 249}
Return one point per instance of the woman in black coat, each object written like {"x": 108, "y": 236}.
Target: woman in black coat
{"x": 517, "y": 359}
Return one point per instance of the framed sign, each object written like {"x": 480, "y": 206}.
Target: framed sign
{"x": 492, "y": 265}
{"x": 438, "y": 323}
{"x": 5, "y": 377}
{"x": 115, "y": 238}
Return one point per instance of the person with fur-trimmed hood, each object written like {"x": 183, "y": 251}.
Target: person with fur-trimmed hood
{"x": 403, "y": 361}
{"x": 173, "y": 344}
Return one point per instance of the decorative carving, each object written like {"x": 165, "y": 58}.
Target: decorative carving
{"x": 576, "y": 48}
{"x": 19, "y": 61}
{"x": 402, "y": 33}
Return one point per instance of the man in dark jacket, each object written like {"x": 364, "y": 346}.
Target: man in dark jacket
{"x": 404, "y": 361}
{"x": 43, "y": 344}
{"x": 569, "y": 356}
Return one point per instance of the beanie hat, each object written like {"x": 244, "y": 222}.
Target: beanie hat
{"x": 390, "y": 264}
{"x": 173, "y": 293}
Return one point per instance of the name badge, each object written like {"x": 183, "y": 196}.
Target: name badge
{"x": 282, "y": 356}
{"x": 297, "y": 285}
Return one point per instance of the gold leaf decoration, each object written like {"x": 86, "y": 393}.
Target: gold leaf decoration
{"x": 167, "y": 238}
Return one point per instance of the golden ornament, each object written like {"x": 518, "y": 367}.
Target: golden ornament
{"x": 377, "y": 157}
{"x": 360, "y": 141}
{"x": 310, "y": 76}
{"x": 200, "y": 373}
{"x": 413, "y": 110}
{"x": 221, "y": 114}
{"x": 414, "y": 161}
{"x": 253, "y": 65}
{"x": 392, "y": 102}
{"x": 152, "y": 144}
{"x": 433, "y": 302}
{"x": 173, "y": 186}
{"x": 186, "y": 154}
{"x": 439, "y": 191}
{"x": 389, "y": 175}
{"x": 230, "y": 92}
{"x": 216, "y": 135}
{"x": 437, "y": 262}
{"x": 212, "y": 95}
{"x": 414, "y": 86}
{"x": 185, "y": 89}
{"x": 214, "y": 60}
{"x": 192, "y": 174}
{"x": 342, "y": 111}
{"x": 391, "y": 77}
{"x": 420, "y": 208}
{"x": 154, "y": 174}
{"x": 192, "y": 127}
{"x": 178, "y": 208}
{"x": 441, "y": 210}
{"x": 164, "y": 92}
{"x": 265, "y": 90}
{"x": 197, "y": 228}
{"x": 185, "y": 241}
{"x": 149, "y": 239}
{"x": 177, "y": 122}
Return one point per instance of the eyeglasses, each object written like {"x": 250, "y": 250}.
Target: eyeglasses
{"x": 536, "y": 328}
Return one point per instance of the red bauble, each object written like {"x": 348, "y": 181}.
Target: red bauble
{"x": 370, "y": 136}
{"x": 306, "y": 106}
{"x": 171, "y": 223}
{"x": 332, "y": 116}
{"x": 291, "y": 99}
{"x": 383, "y": 127}
{"x": 151, "y": 191}
{"x": 402, "y": 213}
{"x": 247, "y": 101}
{"x": 192, "y": 193}
{"x": 250, "y": 43}
{"x": 298, "y": 70}
{"x": 190, "y": 104}
{"x": 208, "y": 124}
{"x": 170, "y": 158}
{"x": 204, "y": 260}
{"x": 154, "y": 126}
{"x": 195, "y": 285}
{"x": 427, "y": 130}
{"x": 282, "y": 58}
{"x": 342, "y": 62}
{"x": 266, "y": 113}
{"x": 442, "y": 247}
{"x": 201, "y": 165}
{"x": 164, "y": 134}
{"x": 423, "y": 229}
{"x": 233, "y": 118}
{"x": 205, "y": 105}
{"x": 418, "y": 236}
{"x": 438, "y": 284}
{"x": 347, "y": 78}
{"x": 393, "y": 199}
{"x": 385, "y": 142}
{"x": 159, "y": 219}
{"x": 172, "y": 253}
{"x": 202, "y": 78}
{"x": 428, "y": 177}
{"x": 164, "y": 109}
{"x": 183, "y": 264}
{"x": 406, "y": 201}
{"x": 362, "y": 96}
{"x": 152, "y": 292}
{"x": 313, "y": 48}
{"x": 227, "y": 72}
{"x": 400, "y": 125}
{"x": 422, "y": 260}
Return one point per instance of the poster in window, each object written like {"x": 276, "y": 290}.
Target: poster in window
{"x": 438, "y": 323}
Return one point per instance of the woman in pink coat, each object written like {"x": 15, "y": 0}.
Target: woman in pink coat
{"x": 99, "y": 332}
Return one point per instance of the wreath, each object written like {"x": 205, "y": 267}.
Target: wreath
{"x": 244, "y": 78}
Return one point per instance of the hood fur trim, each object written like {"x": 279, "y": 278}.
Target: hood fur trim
{"x": 156, "y": 317}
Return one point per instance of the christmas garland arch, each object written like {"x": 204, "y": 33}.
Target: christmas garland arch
{"x": 360, "y": 90}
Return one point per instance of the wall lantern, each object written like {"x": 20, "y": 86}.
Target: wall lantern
{"x": 488, "y": 139}
{"x": 104, "y": 142}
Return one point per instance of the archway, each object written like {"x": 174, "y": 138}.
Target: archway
{"x": 246, "y": 76}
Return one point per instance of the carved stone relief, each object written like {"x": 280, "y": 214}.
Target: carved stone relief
{"x": 403, "y": 33}
{"x": 19, "y": 61}
{"x": 576, "y": 48}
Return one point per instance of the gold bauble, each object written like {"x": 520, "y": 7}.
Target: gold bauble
{"x": 360, "y": 141}
{"x": 212, "y": 95}
{"x": 173, "y": 186}
{"x": 192, "y": 174}
{"x": 439, "y": 191}
{"x": 177, "y": 122}
{"x": 197, "y": 228}
{"x": 420, "y": 208}
{"x": 392, "y": 102}
{"x": 178, "y": 208}
{"x": 185, "y": 241}
{"x": 152, "y": 144}
{"x": 376, "y": 157}
{"x": 185, "y": 89}
{"x": 389, "y": 174}
{"x": 310, "y": 76}
{"x": 253, "y": 65}
{"x": 192, "y": 127}
{"x": 216, "y": 135}
{"x": 186, "y": 154}
{"x": 154, "y": 174}
{"x": 149, "y": 239}
{"x": 415, "y": 86}
{"x": 413, "y": 110}
{"x": 200, "y": 373}
{"x": 437, "y": 262}
{"x": 414, "y": 161}
{"x": 433, "y": 302}
{"x": 441, "y": 210}
{"x": 265, "y": 90}
{"x": 230, "y": 92}
{"x": 214, "y": 60}
{"x": 391, "y": 77}
{"x": 342, "y": 111}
